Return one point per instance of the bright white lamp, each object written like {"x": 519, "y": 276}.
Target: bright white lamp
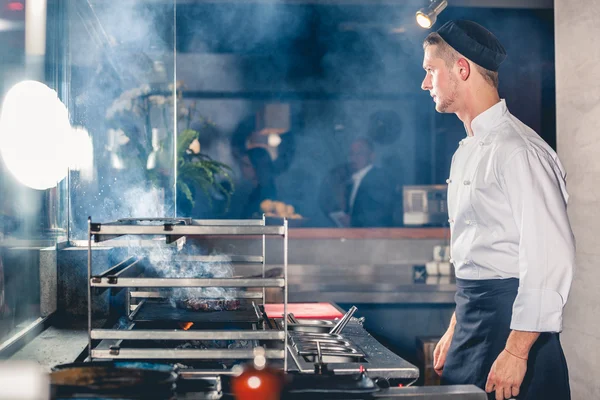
{"x": 34, "y": 135}
{"x": 427, "y": 16}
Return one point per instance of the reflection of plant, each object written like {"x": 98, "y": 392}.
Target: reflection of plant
{"x": 199, "y": 169}
{"x": 138, "y": 113}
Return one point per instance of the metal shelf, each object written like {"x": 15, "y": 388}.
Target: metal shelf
{"x": 113, "y": 281}
{"x": 183, "y": 354}
{"x": 128, "y": 275}
{"x": 220, "y": 258}
{"x": 159, "y": 295}
{"x": 108, "y": 232}
{"x": 158, "y": 334}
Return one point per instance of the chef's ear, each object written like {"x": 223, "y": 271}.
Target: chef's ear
{"x": 464, "y": 68}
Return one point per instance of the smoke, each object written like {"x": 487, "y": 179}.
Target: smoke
{"x": 167, "y": 262}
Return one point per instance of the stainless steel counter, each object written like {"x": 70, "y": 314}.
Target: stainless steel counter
{"x": 366, "y": 284}
{"x": 379, "y": 361}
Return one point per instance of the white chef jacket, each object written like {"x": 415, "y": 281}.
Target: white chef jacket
{"x": 507, "y": 203}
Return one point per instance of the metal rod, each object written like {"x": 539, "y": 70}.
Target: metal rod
{"x": 319, "y": 352}
{"x": 119, "y": 341}
{"x": 89, "y": 287}
{"x": 137, "y": 310}
{"x": 126, "y": 269}
{"x": 234, "y": 295}
{"x": 127, "y": 301}
{"x": 221, "y": 258}
{"x": 190, "y": 282}
{"x": 264, "y": 291}
{"x": 181, "y": 354}
{"x": 177, "y": 230}
{"x": 187, "y": 221}
{"x": 126, "y": 243}
{"x": 175, "y": 111}
{"x": 337, "y": 329}
{"x": 285, "y": 292}
{"x": 229, "y": 222}
{"x": 118, "y": 266}
{"x": 161, "y": 334}
{"x": 292, "y": 318}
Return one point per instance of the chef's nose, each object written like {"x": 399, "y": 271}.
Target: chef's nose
{"x": 426, "y": 84}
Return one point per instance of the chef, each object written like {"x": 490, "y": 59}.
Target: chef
{"x": 511, "y": 241}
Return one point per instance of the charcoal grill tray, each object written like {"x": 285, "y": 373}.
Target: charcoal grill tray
{"x": 163, "y": 312}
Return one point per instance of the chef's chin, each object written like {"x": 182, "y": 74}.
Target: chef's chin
{"x": 442, "y": 108}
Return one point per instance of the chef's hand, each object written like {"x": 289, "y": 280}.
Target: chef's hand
{"x": 441, "y": 349}
{"x": 506, "y": 376}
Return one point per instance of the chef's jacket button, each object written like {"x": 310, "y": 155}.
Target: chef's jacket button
{"x": 470, "y": 222}
{"x": 467, "y": 261}
{"x": 467, "y": 182}
{"x": 461, "y": 143}
{"x": 481, "y": 143}
{"x": 451, "y": 261}
{"x": 451, "y": 220}
{"x": 448, "y": 180}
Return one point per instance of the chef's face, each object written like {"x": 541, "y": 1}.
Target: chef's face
{"x": 440, "y": 81}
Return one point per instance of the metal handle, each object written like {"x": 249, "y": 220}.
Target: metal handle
{"x": 319, "y": 353}
{"x": 292, "y": 318}
{"x": 337, "y": 329}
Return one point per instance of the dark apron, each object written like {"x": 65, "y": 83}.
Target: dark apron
{"x": 483, "y": 315}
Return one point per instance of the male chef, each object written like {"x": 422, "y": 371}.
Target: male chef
{"x": 511, "y": 242}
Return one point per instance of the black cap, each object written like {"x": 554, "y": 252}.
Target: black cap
{"x": 474, "y": 42}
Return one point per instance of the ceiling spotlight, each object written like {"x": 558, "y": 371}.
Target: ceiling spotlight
{"x": 426, "y": 16}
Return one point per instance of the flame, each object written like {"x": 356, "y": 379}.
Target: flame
{"x": 186, "y": 325}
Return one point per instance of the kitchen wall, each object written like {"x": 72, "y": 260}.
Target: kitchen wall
{"x": 578, "y": 118}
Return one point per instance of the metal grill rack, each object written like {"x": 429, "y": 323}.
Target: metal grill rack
{"x": 140, "y": 291}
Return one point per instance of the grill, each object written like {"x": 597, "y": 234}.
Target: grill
{"x": 155, "y": 333}
{"x": 154, "y": 326}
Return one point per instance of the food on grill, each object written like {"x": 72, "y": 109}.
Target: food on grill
{"x": 197, "y": 304}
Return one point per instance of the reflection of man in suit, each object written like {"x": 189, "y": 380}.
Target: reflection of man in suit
{"x": 364, "y": 192}
{"x": 369, "y": 193}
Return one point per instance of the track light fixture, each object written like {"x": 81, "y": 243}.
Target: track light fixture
{"x": 426, "y": 16}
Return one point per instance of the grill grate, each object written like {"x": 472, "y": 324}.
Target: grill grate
{"x": 165, "y": 312}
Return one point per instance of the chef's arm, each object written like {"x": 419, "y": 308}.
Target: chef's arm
{"x": 520, "y": 342}
{"x": 452, "y": 322}
{"x": 535, "y": 189}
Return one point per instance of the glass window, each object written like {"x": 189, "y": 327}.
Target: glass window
{"x": 34, "y": 139}
{"x": 308, "y": 111}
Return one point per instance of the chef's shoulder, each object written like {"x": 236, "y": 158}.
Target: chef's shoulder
{"x": 514, "y": 138}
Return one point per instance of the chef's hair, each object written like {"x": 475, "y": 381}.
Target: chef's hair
{"x": 450, "y": 56}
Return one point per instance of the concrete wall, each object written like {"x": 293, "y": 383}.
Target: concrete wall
{"x": 578, "y": 118}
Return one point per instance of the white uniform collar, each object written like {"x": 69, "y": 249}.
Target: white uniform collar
{"x": 484, "y": 122}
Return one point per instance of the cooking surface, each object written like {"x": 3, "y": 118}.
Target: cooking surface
{"x": 157, "y": 312}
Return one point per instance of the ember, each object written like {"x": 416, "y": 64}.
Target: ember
{"x": 186, "y": 325}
